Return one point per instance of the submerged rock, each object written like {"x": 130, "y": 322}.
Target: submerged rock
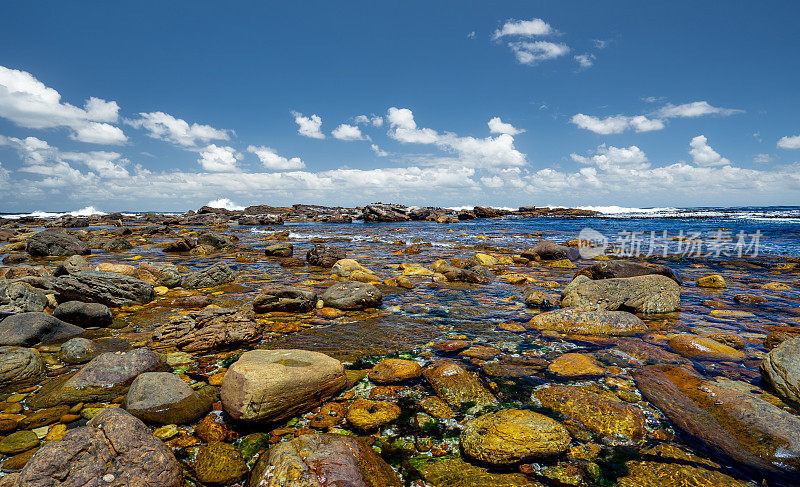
{"x": 740, "y": 425}
{"x": 113, "y": 447}
{"x": 394, "y": 370}
{"x": 270, "y": 385}
{"x": 513, "y": 435}
{"x": 457, "y": 386}
{"x": 220, "y": 464}
{"x": 651, "y": 293}
{"x": 323, "y": 459}
{"x": 580, "y": 322}
{"x": 451, "y": 471}
{"x": 653, "y": 474}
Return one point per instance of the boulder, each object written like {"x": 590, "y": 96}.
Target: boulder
{"x": 271, "y": 385}
{"x": 366, "y": 415}
{"x": 183, "y": 244}
{"x": 159, "y": 274}
{"x": 118, "y": 244}
{"x": 163, "y": 398}
{"x": 651, "y": 293}
{"x": 210, "y": 329}
{"x": 323, "y": 459}
{"x": 21, "y": 297}
{"x": 213, "y": 239}
{"x": 714, "y": 281}
{"x": 380, "y": 212}
{"x": 536, "y": 298}
{"x": 352, "y": 295}
{"x": 394, "y": 370}
{"x": 71, "y": 265}
{"x": 84, "y": 314}
{"x": 19, "y": 365}
{"x": 78, "y": 350}
{"x": 291, "y": 299}
{"x": 575, "y": 366}
{"x": 738, "y": 424}
{"x": 610, "y": 269}
{"x": 49, "y": 243}
{"x": 220, "y": 464}
{"x": 212, "y": 276}
{"x": 781, "y": 368}
{"x": 704, "y": 348}
{"x": 105, "y": 377}
{"x": 113, "y": 449}
{"x": 549, "y": 250}
{"x": 509, "y": 436}
{"x": 108, "y": 288}
{"x": 346, "y": 267}
{"x": 453, "y": 273}
{"x": 579, "y": 322}
{"x": 324, "y": 255}
{"x": 279, "y": 250}
{"x": 28, "y": 329}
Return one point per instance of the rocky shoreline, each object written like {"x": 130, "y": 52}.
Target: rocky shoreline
{"x": 160, "y": 350}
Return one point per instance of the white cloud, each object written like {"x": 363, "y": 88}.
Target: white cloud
{"x": 471, "y": 35}
{"x": 496, "y": 151}
{"x": 525, "y": 28}
{"x": 219, "y": 158}
{"x": 703, "y": 155}
{"x": 497, "y": 126}
{"x": 762, "y": 158}
{"x": 375, "y": 120}
{"x": 377, "y": 150}
{"x": 29, "y": 103}
{"x": 531, "y": 53}
{"x": 348, "y": 132}
{"x": 601, "y": 44}
{"x": 585, "y": 60}
{"x": 616, "y": 124}
{"x": 272, "y": 160}
{"x": 789, "y": 142}
{"x": 610, "y": 157}
{"x": 693, "y": 110}
{"x": 163, "y": 126}
{"x": 309, "y": 126}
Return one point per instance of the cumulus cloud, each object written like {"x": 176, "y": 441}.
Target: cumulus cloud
{"x": 497, "y": 126}
{"x": 29, "y": 103}
{"x": 525, "y": 28}
{"x": 309, "y": 126}
{"x": 703, "y": 155}
{"x": 610, "y": 157}
{"x": 789, "y": 142}
{"x": 375, "y": 120}
{"x": 762, "y": 158}
{"x": 272, "y": 160}
{"x": 219, "y": 158}
{"x": 377, "y": 150}
{"x": 693, "y": 110}
{"x": 585, "y": 60}
{"x": 348, "y": 132}
{"x": 163, "y": 126}
{"x": 532, "y": 53}
{"x": 616, "y": 124}
{"x": 496, "y": 151}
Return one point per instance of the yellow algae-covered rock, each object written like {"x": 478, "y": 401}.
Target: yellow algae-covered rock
{"x": 485, "y": 259}
{"x": 704, "y": 348}
{"x": 713, "y": 281}
{"x": 124, "y": 269}
{"x": 394, "y": 370}
{"x": 345, "y": 267}
{"x": 457, "y": 386}
{"x": 653, "y": 474}
{"x": 415, "y": 270}
{"x": 366, "y": 415}
{"x": 575, "y": 365}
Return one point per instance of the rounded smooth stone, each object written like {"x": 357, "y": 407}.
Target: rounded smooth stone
{"x": 19, "y": 442}
{"x": 78, "y": 350}
{"x": 163, "y": 398}
{"x": 351, "y": 295}
{"x": 781, "y": 368}
{"x": 84, "y": 314}
{"x": 18, "y": 364}
{"x": 714, "y": 281}
{"x": 394, "y": 370}
{"x": 575, "y": 365}
{"x": 220, "y": 463}
{"x": 704, "y": 348}
{"x": 512, "y": 435}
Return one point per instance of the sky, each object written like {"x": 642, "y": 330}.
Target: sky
{"x": 152, "y": 105}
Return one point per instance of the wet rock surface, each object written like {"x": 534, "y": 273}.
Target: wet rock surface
{"x": 652, "y": 293}
{"x": 108, "y": 288}
{"x": 28, "y": 329}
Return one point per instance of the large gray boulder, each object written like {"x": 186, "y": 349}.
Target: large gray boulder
{"x": 105, "y": 377}
{"x": 20, "y": 297}
{"x": 84, "y": 314}
{"x": 271, "y": 385}
{"x": 625, "y": 268}
{"x": 163, "y": 398}
{"x": 18, "y": 364}
{"x": 71, "y": 265}
{"x": 212, "y": 276}
{"x": 108, "y": 288}
{"x": 291, "y": 299}
{"x": 352, "y": 295}
{"x": 28, "y": 329}
{"x": 49, "y": 243}
{"x": 159, "y": 274}
{"x": 114, "y": 449}
{"x": 781, "y": 368}
{"x": 651, "y": 293}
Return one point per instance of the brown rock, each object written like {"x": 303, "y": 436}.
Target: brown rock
{"x": 575, "y": 365}
{"x": 704, "y": 348}
{"x": 457, "y": 386}
{"x": 394, "y": 370}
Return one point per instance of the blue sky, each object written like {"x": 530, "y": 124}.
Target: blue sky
{"x": 169, "y": 105}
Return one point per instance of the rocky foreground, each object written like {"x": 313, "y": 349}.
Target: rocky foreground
{"x": 192, "y": 350}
